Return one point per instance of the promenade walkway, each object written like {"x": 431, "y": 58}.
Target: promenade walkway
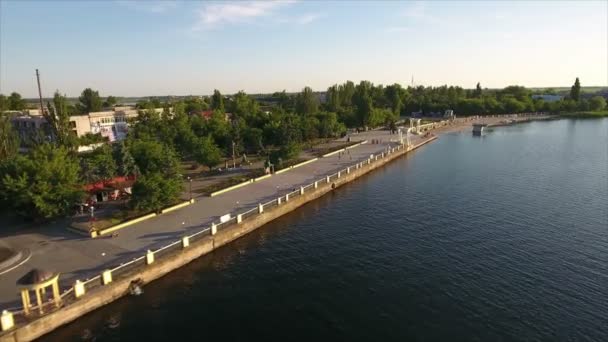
{"x": 77, "y": 257}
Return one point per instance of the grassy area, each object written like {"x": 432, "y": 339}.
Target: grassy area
{"x": 319, "y": 152}
{"x": 289, "y": 163}
{"x": 230, "y": 182}
{"x": 585, "y": 115}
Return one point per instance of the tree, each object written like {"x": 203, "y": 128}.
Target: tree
{"x": 513, "y": 106}
{"x": 109, "y": 102}
{"x": 307, "y": 102}
{"x": 478, "y": 92}
{"x": 363, "y": 103}
{"x": 15, "y": 102}
{"x": 9, "y": 141}
{"x": 254, "y": 139}
{"x": 153, "y": 191}
{"x": 217, "y": 101}
{"x": 58, "y": 116}
{"x": 393, "y": 94}
{"x": 597, "y": 103}
{"x": 207, "y": 152}
{"x": 575, "y": 91}
{"x": 90, "y": 101}
{"x": 44, "y": 184}
{"x": 126, "y": 163}
{"x": 4, "y": 104}
{"x": 99, "y": 165}
{"x": 151, "y": 156}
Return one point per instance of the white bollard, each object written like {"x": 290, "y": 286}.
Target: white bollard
{"x": 149, "y": 257}
{"x": 301, "y": 190}
{"x": 327, "y": 178}
{"x": 106, "y": 277}
{"x": 185, "y": 242}
{"x": 279, "y": 201}
{"x": 6, "y": 320}
{"x": 213, "y": 229}
{"x": 287, "y": 198}
{"x": 338, "y": 174}
{"x": 239, "y": 218}
{"x": 79, "y": 289}
{"x": 348, "y": 170}
{"x": 316, "y": 184}
{"x": 260, "y": 208}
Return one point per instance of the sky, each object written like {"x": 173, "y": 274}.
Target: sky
{"x": 152, "y": 48}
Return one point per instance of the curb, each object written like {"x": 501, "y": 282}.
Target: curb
{"x": 119, "y": 226}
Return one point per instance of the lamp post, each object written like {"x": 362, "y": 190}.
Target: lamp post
{"x": 190, "y": 183}
{"x": 233, "y": 161}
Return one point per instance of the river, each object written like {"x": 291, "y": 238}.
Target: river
{"x": 496, "y": 238}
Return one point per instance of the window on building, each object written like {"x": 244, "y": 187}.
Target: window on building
{"x": 72, "y": 124}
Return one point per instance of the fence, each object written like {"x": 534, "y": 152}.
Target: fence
{"x": 127, "y": 269}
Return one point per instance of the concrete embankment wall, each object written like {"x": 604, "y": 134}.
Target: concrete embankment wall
{"x": 103, "y": 295}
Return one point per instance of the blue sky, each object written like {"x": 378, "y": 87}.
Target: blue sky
{"x": 141, "y": 48}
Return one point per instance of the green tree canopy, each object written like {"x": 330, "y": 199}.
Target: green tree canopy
{"x": 207, "y": 152}
{"x": 58, "y": 116}
{"x": 15, "y": 102}
{"x": 98, "y": 165}
{"x": 154, "y": 191}
{"x": 575, "y": 91}
{"x": 109, "y": 102}
{"x": 4, "y": 105}
{"x": 9, "y": 141}
{"x": 307, "y": 102}
{"x": 43, "y": 185}
{"x": 217, "y": 101}
{"x": 90, "y": 101}
{"x": 151, "y": 156}
{"x": 597, "y": 103}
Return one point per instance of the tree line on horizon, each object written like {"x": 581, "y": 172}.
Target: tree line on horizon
{"x": 48, "y": 180}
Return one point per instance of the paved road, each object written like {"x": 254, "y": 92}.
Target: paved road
{"x": 77, "y": 257}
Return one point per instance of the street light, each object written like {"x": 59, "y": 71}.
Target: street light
{"x": 190, "y": 181}
{"x": 233, "y": 160}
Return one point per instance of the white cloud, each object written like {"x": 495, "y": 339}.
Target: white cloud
{"x": 308, "y": 18}
{"x": 416, "y": 9}
{"x": 218, "y": 14}
{"x": 397, "y": 29}
{"x": 150, "y": 6}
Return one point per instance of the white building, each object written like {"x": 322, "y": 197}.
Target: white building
{"x": 113, "y": 124}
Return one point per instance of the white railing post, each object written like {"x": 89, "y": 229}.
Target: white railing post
{"x": 338, "y": 174}
{"x": 348, "y": 170}
{"x": 6, "y": 320}
{"x": 260, "y": 208}
{"x": 279, "y": 200}
{"x": 106, "y": 277}
{"x": 185, "y": 242}
{"x": 213, "y": 229}
{"x": 301, "y": 190}
{"x": 79, "y": 289}
{"x": 316, "y": 184}
{"x": 287, "y": 198}
{"x": 149, "y": 257}
{"x": 239, "y": 218}
{"x": 327, "y": 178}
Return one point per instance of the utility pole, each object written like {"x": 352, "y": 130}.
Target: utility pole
{"x": 39, "y": 92}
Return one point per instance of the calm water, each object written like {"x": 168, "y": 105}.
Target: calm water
{"x": 498, "y": 238}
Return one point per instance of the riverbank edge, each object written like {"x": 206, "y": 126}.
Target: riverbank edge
{"x": 119, "y": 287}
